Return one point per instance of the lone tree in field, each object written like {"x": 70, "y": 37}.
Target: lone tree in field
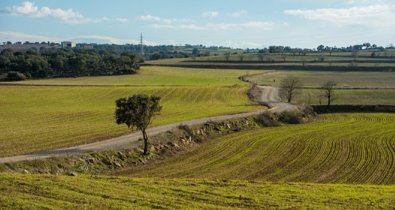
{"x": 261, "y": 57}
{"x": 289, "y": 88}
{"x": 227, "y": 56}
{"x": 138, "y": 111}
{"x": 241, "y": 57}
{"x": 329, "y": 90}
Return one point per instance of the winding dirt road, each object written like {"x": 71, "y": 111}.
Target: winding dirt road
{"x": 268, "y": 96}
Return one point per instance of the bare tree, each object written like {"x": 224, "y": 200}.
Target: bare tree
{"x": 303, "y": 61}
{"x": 329, "y": 91}
{"x": 321, "y": 57}
{"x": 227, "y": 56}
{"x": 289, "y": 88}
{"x": 354, "y": 55}
{"x": 261, "y": 57}
{"x": 241, "y": 57}
{"x": 284, "y": 57}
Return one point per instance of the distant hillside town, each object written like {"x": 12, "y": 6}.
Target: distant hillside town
{"x": 19, "y": 46}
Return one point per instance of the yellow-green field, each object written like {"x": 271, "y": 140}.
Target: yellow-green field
{"x": 361, "y": 88}
{"x": 348, "y": 97}
{"x": 53, "y": 192}
{"x": 35, "y": 118}
{"x": 153, "y": 76}
{"x": 318, "y": 78}
{"x": 337, "y": 148}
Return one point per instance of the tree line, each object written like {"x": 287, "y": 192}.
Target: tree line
{"x": 67, "y": 63}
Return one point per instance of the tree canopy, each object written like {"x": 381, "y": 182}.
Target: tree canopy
{"x": 328, "y": 91}
{"x": 289, "y": 88}
{"x": 137, "y": 111}
{"x": 67, "y": 62}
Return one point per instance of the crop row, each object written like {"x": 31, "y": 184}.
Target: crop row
{"x": 19, "y": 191}
{"x": 338, "y": 148}
{"x": 38, "y": 118}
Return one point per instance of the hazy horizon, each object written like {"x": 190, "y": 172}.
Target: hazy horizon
{"x": 233, "y": 23}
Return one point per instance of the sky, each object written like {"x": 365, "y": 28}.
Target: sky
{"x": 231, "y": 23}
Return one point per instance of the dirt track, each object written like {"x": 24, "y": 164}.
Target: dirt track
{"x": 268, "y": 96}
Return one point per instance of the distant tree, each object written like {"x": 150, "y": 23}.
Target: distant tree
{"x": 195, "y": 52}
{"x": 155, "y": 56}
{"x": 284, "y": 57}
{"x": 321, "y": 57}
{"x": 320, "y": 48}
{"x": 354, "y": 55}
{"x": 329, "y": 91}
{"x": 366, "y": 45}
{"x": 227, "y": 56}
{"x": 138, "y": 111}
{"x": 15, "y": 76}
{"x": 303, "y": 61}
{"x": 272, "y": 49}
{"x": 261, "y": 56}
{"x": 241, "y": 57}
{"x": 289, "y": 88}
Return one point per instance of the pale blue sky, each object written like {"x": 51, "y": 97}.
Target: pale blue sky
{"x": 235, "y": 23}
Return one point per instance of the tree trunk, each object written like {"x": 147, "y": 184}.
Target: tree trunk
{"x": 329, "y": 100}
{"x": 145, "y": 136}
{"x": 290, "y": 96}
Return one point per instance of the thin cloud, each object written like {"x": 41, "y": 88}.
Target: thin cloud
{"x": 101, "y": 39}
{"x": 18, "y": 36}
{"x": 210, "y": 14}
{"x": 372, "y": 15}
{"x": 177, "y": 26}
{"x": 29, "y": 9}
{"x": 173, "y": 23}
{"x": 258, "y": 25}
{"x": 149, "y": 18}
{"x": 237, "y": 13}
{"x": 122, "y": 20}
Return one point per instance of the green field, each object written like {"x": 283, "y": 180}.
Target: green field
{"x": 348, "y": 97}
{"x": 337, "y": 148}
{"x": 318, "y": 78}
{"x": 153, "y": 76}
{"x": 35, "y": 118}
{"x": 384, "y": 60}
{"x": 367, "y": 88}
{"x": 53, "y": 192}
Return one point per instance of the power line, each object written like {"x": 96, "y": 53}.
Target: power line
{"x": 141, "y": 44}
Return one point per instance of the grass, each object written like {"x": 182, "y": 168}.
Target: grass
{"x": 51, "y": 192}
{"x": 364, "y": 57}
{"x": 368, "y": 88}
{"x": 338, "y": 148}
{"x": 349, "y": 97}
{"x": 153, "y": 76}
{"x": 384, "y": 61}
{"x": 318, "y": 78}
{"x": 35, "y": 118}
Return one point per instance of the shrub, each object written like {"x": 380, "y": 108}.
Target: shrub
{"x": 268, "y": 119}
{"x": 307, "y": 111}
{"x": 15, "y": 76}
{"x": 289, "y": 117}
{"x": 302, "y": 114}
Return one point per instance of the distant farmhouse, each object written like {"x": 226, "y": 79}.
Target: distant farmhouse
{"x": 67, "y": 44}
